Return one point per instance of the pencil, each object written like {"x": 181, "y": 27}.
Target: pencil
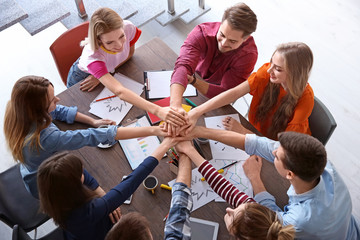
{"x": 100, "y": 99}
{"x": 221, "y": 170}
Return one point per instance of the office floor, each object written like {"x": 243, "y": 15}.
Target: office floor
{"x": 330, "y": 28}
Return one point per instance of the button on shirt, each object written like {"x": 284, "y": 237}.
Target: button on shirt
{"x": 321, "y": 213}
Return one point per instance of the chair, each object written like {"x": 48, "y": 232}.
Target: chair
{"x": 20, "y": 234}
{"x": 322, "y": 123}
{"x": 17, "y": 205}
{"x": 66, "y": 49}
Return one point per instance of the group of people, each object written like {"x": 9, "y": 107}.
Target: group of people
{"x": 218, "y": 59}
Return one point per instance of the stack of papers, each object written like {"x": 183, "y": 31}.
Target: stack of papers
{"x": 114, "y": 108}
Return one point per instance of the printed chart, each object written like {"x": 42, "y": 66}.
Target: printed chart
{"x": 115, "y": 108}
{"x": 137, "y": 149}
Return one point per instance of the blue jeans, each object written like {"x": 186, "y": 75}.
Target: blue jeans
{"x": 75, "y": 74}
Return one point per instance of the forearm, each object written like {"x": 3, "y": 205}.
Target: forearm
{"x": 127, "y": 95}
{"x": 134, "y": 132}
{"x": 224, "y": 98}
{"x": 227, "y": 137}
{"x": 201, "y": 86}
{"x": 257, "y": 184}
{"x": 176, "y": 94}
{"x": 184, "y": 172}
{"x": 82, "y": 118}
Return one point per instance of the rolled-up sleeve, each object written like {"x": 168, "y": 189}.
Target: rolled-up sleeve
{"x": 178, "y": 223}
{"x": 64, "y": 113}
{"x": 260, "y": 146}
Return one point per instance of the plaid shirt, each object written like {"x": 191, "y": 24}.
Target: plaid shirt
{"x": 178, "y": 224}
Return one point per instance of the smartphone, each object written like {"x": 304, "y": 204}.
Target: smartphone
{"x": 127, "y": 201}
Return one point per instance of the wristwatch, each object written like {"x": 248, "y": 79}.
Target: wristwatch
{"x": 194, "y": 79}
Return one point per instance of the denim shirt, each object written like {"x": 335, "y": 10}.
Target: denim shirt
{"x": 178, "y": 223}
{"x": 53, "y": 140}
{"x": 324, "y": 212}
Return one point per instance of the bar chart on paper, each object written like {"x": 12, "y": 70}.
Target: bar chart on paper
{"x": 137, "y": 149}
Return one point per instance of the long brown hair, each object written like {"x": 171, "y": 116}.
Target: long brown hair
{"x": 60, "y": 187}
{"x": 298, "y": 60}
{"x": 26, "y": 110}
{"x": 103, "y": 20}
{"x": 257, "y": 222}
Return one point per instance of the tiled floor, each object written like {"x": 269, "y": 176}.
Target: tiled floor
{"x": 330, "y": 28}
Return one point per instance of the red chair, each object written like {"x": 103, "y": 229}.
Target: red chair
{"x": 66, "y": 48}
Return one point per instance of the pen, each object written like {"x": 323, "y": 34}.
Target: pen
{"x": 100, "y": 99}
{"x": 221, "y": 170}
{"x": 165, "y": 217}
{"x": 190, "y": 102}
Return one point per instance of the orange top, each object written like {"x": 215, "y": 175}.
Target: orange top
{"x": 298, "y": 122}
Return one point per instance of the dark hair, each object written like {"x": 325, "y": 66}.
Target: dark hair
{"x": 259, "y": 222}
{"x": 132, "y": 226}
{"x": 305, "y": 156}
{"x": 60, "y": 186}
{"x": 240, "y": 17}
{"x": 27, "y": 108}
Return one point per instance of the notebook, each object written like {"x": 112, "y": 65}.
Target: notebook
{"x": 165, "y": 102}
{"x": 157, "y": 85}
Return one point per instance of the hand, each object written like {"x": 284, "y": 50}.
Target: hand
{"x": 161, "y": 131}
{"x": 233, "y": 125}
{"x": 192, "y": 119}
{"x": 169, "y": 142}
{"x": 172, "y": 116}
{"x": 252, "y": 167}
{"x": 171, "y": 129}
{"x": 184, "y": 146}
{"x": 115, "y": 215}
{"x": 89, "y": 83}
{"x": 99, "y": 122}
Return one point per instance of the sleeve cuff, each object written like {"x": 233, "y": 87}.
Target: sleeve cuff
{"x": 70, "y": 117}
{"x": 179, "y": 186}
{"x": 250, "y": 144}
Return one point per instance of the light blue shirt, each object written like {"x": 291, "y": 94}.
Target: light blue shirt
{"x": 321, "y": 213}
{"x": 53, "y": 140}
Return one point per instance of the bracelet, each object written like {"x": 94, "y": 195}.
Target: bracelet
{"x": 194, "y": 79}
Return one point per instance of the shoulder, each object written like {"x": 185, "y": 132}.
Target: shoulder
{"x": 129, "y": 27}
{"x": 261, "y": 76}
{"x": 208, "y": 29}
{"x": 248, "y": 47}
{"x": 308, "y": 96}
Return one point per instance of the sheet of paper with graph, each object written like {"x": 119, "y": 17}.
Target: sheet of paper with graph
{"x": 115, "y": 108}
{"x": 224, "y": 155}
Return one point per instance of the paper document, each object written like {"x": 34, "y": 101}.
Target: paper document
{"x": 115, "y": 108}
{"x": 137, "y": 149}
{"x": 158, "y": 85}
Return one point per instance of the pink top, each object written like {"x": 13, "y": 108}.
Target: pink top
{"x": 222, "y": 70}
{"x": 223, "y": 187}
{"x": 102, "y": 61}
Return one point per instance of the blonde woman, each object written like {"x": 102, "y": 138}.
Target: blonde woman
{"x": 110, "y": 43}
{"x": 282, "y": 98}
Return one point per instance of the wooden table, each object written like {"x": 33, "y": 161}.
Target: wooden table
{"x": 109, "y": 165}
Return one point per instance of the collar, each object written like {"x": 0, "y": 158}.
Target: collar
{"x": 107, "y": 51}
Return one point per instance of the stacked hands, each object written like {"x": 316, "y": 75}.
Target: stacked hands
{"x": 179, "y": 128}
